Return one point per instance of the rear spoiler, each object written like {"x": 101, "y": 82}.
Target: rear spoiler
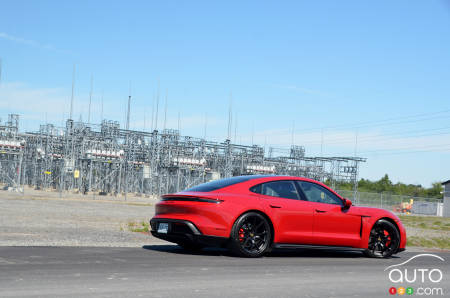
{"x": 190, "y": 198}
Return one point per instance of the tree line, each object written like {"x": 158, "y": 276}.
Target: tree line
{"x": 386, "y": 185}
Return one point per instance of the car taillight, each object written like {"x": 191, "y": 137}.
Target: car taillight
{"x": 191, "y": 199}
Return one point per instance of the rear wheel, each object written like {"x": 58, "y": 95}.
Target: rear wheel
{"x": 251, "y": 235}
{"x": 384, "y": 240}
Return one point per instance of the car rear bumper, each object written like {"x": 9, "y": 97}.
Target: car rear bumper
{"x": 183, "y": 231}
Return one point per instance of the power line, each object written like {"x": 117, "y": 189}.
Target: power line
{"x": 403, "y": 134}
{"x": 383, "y": 122}
{"x": 413, "y": 152}
{"x": 440, "y": 147}
{"x": 377, "y": 123}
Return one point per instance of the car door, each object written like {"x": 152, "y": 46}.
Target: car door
{"x": 291, "y": 214}
{"x": 332, "y": 225}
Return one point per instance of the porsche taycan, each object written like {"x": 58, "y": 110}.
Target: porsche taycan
{"x": 253, "y": 214}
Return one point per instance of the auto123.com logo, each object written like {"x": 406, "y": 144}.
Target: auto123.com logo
{"x": 421, "y": 279}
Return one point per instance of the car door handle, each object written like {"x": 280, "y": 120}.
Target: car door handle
{"x": 274, "y": 206}
{"x": 320, "y": 211}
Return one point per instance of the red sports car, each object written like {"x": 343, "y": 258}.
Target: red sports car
{"x": 253, "y": 214}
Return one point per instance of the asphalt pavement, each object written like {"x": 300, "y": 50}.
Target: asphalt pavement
{"x": 168, "y": 271}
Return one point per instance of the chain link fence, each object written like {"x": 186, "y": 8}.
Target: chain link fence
{"x": 396, "y": 203}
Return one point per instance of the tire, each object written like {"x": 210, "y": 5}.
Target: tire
{"x": 384, "y": 240}
{"x": 251, "y": 236}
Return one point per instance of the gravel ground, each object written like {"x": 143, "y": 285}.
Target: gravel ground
{"x": 32, "y": 220}
{"x": 427, "y": 233}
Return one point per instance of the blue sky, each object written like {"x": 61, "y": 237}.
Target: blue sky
{"x": 376, "y": 71}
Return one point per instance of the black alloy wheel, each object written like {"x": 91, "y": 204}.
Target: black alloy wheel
{"x": 251, "y": 235}
{"x": 384, "y": 240}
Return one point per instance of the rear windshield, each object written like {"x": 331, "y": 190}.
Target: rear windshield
{"x": 218, "y": 184}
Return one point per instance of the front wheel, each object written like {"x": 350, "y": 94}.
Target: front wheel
{"x": 384, "y": 240}
{"x": 251, "y": 235}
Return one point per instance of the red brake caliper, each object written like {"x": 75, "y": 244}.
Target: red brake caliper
{"x": 388, "y": 237}
{"x": 241, "y": 234}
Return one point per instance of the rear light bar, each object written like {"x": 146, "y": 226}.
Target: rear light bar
{"x": 193, "y": 199}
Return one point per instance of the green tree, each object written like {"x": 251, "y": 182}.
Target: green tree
{"x": 385, "y": 185}
{"x": 436, "y": 190}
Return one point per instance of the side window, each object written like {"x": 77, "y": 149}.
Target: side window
{"x": 319, "y": 194}
{"x": 281, "y": 189}
{"x": 256, "y": 189}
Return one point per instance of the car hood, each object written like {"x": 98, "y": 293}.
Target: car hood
{"x": 372, "y": 211}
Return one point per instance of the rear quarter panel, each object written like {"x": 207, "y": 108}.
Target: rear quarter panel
{"x": 210, "y": 218}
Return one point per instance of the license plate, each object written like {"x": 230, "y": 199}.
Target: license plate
{"x": 163, "y": 227}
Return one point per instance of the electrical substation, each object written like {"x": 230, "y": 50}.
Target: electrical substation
{"x": 108, "y": 160}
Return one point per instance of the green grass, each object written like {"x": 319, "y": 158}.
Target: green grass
{"x": 426, "y": 222}
{"x": 443, "y": 243}
{"x": 142, "y": 227}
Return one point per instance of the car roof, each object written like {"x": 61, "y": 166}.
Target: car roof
{"x": 250, "y": 180}
{"x": 245, "y": 182}
{"x": 258, "y": 179}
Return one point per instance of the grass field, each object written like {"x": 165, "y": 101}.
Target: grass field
{"x": 426, "y": 222}
{"x": 427, "y": 231}
{"x": 430, "y": 242}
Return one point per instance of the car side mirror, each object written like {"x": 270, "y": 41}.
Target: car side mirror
{"x": 347, "y": 204}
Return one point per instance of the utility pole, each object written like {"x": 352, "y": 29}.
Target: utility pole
{"x": 235, "y": 127}
{"x": 145, "y": 118}
{"x": 128, "y": 112}
{"x": 253, "y": 131}
{"x": 71, "y": 98}
{"x": 165, "y": 112}
{"x": 101, "y": 112}
{"x": 321, "y": 142}
{"x": 157, "y": 107}
{"x": 230, "y": 116}
{"x": 293, "y": 133}
{"x": 153, "y": 112}
{"x": 206, "y": 124}
{"x": 90, "y": 99}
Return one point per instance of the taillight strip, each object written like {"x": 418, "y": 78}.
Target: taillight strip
{"x": 186, "y": 199}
